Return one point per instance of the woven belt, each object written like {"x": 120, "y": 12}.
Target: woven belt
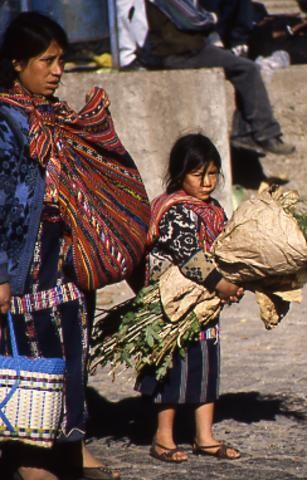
{"x": 32, "y": 302}
{"x": 210, "y": 333}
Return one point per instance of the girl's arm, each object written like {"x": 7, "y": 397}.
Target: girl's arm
{"x": 179, "y": 239}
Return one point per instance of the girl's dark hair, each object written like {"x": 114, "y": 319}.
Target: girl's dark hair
{"x": 190, "y": 152}
{"x": 28, "y": 35}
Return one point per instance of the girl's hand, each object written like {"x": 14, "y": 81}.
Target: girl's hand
{"x": 5, "y": 297}
{"x": 229, "y": 292}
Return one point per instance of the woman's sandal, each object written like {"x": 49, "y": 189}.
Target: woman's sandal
{"x": 100, "y": 473}
{"x": 167, "y": 455}
{"x": 220, "y": 453}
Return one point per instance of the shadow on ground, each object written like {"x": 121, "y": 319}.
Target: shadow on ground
{"x": 247, "y": 170}
{"x": 134, "y": 418}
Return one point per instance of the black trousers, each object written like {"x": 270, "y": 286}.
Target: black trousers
{"x": 254, "y": 113}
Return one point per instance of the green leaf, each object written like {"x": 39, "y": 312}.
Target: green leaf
{"x": 156, "y": 308}
{"x": 128, "y": 318}
{"x": 156, "y": 335}
{"x": 149, "y": 339}
{"x": 125, "y": 358}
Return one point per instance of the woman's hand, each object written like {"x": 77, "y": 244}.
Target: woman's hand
{"x": 5, "y": 297}
{"x": 229, "y": 292}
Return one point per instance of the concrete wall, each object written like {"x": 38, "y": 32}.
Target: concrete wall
{"x": 151, "y": 109}
{"x": 276, "y": 7}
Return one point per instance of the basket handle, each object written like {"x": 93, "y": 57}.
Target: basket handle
{"x": 12, "y": 335}
{"x": 14, "y": 387}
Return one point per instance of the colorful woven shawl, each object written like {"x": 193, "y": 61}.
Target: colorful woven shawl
{"x": 211, "y": 214}
{"x": 99, "y": 190}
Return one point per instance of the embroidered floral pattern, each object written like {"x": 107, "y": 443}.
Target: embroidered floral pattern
{"x": 178, "y": 242}
{"x": 17, "y": 183}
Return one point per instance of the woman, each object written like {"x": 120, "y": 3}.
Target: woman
{"x": 184, "y": 223}
{"x": 46, "y": 236}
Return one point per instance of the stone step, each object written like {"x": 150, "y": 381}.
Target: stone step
{"x": 290, "y": 7}
{"x": 151, "y": 109}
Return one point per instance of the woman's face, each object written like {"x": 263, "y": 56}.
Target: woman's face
{"x": 41, "y": 74}
{"x": 201, "y": 182}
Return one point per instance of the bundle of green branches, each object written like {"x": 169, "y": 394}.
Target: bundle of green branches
{"x": 144, "y": 336}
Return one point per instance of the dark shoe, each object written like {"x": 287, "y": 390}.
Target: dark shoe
{"x": 277, "y": 146}
{"x": 247, "y": 143}
{"x": 134, "y": 65}
{"x": 100, "y": 473}
{"x": 222, "y": 451}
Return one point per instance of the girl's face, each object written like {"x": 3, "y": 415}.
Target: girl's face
{"x": 201, "y": 181}
{"x": 41, "y": 75}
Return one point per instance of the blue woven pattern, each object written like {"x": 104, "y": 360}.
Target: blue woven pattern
{"x": 40, "y": 364}
{"x": 31, "y": 395}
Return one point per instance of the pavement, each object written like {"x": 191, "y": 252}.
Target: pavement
{"x": 262, "y": 407}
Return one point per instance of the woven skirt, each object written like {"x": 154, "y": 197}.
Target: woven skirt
{"x": 51, "y": 320}
{"x": 193, "y": 379}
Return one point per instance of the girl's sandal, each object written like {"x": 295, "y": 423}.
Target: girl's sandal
{"x": 220, "y": 453}
{"x": 168, "y": 455}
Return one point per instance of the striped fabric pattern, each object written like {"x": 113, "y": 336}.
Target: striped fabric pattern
{"x": 33, "y": 302}
{"x": 98, "y": 188}
{"x": 210, "y": 212}
{"x": 193, "y": 379}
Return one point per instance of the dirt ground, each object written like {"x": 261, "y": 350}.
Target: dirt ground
{"x": 262, "y": 408}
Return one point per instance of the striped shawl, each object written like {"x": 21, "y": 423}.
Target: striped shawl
{"x": 95, "y": 182}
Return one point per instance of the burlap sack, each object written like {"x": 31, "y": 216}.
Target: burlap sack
{"x": 271, "y": 308}
{"x": 179, "y": 295}
{"x": 260, "y": 240}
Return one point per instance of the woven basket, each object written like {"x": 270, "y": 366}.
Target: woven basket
{"x": 31, "y": 396}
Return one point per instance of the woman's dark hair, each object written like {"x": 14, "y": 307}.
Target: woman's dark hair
{"x": 188, "y": 153}
{"x": 28, "y": 35}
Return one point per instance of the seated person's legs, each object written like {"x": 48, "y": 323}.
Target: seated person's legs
{"x": 258, "y": 129}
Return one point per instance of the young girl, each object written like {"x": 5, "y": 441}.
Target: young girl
{"x": 185, "y": 221}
